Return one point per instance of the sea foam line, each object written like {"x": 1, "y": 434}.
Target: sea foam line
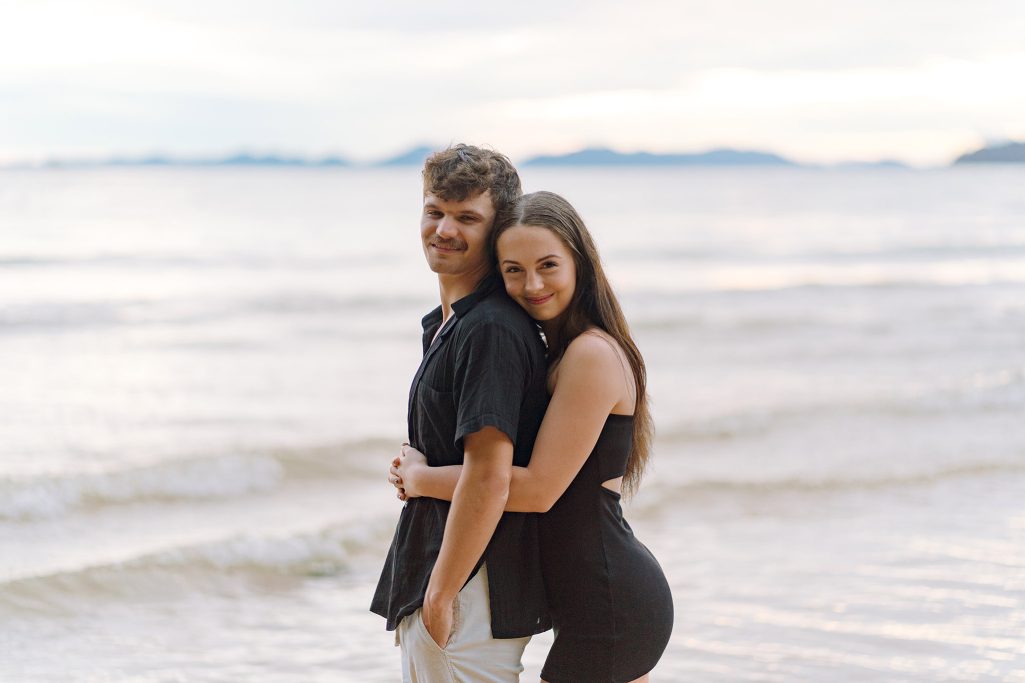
{"x": 197, "y": 478}
{"x": 994, "y": 392}
{"x": 225, "y": 564}
{"x": 786, "y": 483}
{"x": 203, "y": 478}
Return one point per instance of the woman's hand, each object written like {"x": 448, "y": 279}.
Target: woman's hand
{"x": 395, "y": 480}
{"x": 403, "y": 472}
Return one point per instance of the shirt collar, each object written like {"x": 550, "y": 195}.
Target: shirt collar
{"x": 431, "y": 319}
{"x": 484, "y": 288}
{"x": 460, "y": 308}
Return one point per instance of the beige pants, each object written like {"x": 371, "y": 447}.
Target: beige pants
{"x": 471, "y": 655}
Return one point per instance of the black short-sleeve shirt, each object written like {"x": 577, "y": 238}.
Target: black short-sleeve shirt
{"x": 485, "y": 368}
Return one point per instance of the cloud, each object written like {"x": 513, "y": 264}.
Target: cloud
{"x": 368, "y": 78}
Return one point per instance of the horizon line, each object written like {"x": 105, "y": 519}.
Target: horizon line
{"x": 249, "y": 156}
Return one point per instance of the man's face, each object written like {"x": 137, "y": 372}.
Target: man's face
{"x": 455, "y": 234}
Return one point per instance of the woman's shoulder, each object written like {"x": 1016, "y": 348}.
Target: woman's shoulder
{"x": 593, "y": 347}
{"x": 595, "y": 360}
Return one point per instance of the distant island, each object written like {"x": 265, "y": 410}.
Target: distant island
{"x": 1013, "y": 152}
{"x": 242, "y": 159}
{"x": 1007, "y": 153}
{"x": 414, "y": 157}
{"x": 598, "y": 156}
{"x": 883, "y": 163}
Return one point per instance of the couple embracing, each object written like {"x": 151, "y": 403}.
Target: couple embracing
{"x": 504, "y": 425}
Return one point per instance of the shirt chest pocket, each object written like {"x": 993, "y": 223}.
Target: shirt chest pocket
{"x": 435, "y": 419}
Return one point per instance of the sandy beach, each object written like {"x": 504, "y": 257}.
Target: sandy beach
{"x": 203, "y": 386}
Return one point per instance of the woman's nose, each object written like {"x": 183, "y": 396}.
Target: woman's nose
{"x": 534, "y": 282}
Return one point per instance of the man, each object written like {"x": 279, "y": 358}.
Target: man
{"x": 461, "y": 584}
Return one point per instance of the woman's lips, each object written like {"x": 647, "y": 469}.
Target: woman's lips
{"x": 538, "y": 301}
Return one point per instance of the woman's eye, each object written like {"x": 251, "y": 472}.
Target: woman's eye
{"x": 512, "y": 269}
{"x": 549, "y": 264}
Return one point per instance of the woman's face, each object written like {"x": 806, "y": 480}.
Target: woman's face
{"x": 538, "y": 270}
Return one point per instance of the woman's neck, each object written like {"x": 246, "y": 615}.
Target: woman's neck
{"x": 556, "y": 332}
{"x": 549, "y": 333}
{"x": 552, "y": 331}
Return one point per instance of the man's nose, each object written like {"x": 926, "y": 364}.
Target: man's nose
{"x": 447, "y": 228}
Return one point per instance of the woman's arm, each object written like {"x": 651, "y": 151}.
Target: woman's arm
{"x": 414, "y": 478}
{"x": 591, "y": 383}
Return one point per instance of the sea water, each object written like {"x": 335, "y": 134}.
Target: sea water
{"x": 203, "y": 376}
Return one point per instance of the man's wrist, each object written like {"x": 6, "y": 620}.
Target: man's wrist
{"x": 439, "y": 597}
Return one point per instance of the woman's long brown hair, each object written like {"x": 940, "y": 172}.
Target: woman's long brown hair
{"x": 593, "y": 305}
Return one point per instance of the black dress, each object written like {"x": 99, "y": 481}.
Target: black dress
{"x": 610, "y": 602}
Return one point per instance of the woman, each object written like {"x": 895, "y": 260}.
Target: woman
{"x": 610, "y": 602}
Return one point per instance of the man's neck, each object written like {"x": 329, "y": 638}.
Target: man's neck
{"x": 453, "y": 288}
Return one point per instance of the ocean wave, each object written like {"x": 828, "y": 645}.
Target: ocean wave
{"x": 668, "y": 279}
{"x": 51, "y": 315}
{"x": 990, "y": 393}
{"x": 893, "y": 254}
{"x": 105, "y": 260}
{"x": 660, "y": 493}
{"x": 194, "y": 261}
{"x": 45, "y": 497}
{"x": 197, "y": 478}
{"x": 224, "y": 564}
{"x": 57, "y": 316}
{"x": 288, "y": 302}
{"x": 61, "y": 316}
{"x": 692, "y": 321}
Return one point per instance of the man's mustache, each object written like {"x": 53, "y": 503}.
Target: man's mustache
{"x": 449, "y": 244}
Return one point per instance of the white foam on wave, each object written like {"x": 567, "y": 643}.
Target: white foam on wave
{"x": 320, "y": 552}
{"x": 785, "y": 483}
{"x": 227, "y": 565}
{"x": 56, "y": 495}
{"x": 842, "y": 450}
{"x": 217, "y": 477}
{"x": 982, "y": 394}
{"x": 667, "y": 277}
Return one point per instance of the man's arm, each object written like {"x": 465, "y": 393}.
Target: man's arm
{"x": 477, "y": 505}
{"x": 591, "y": 381}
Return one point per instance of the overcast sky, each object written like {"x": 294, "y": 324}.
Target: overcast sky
{"x": 916, "y": 80}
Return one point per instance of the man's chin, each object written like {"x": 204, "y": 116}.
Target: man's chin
{"x": 442, "y": 266}
{"x": 457, "y": 268}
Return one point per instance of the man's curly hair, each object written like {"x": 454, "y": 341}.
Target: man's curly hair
{"x": 463, "y": 171}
